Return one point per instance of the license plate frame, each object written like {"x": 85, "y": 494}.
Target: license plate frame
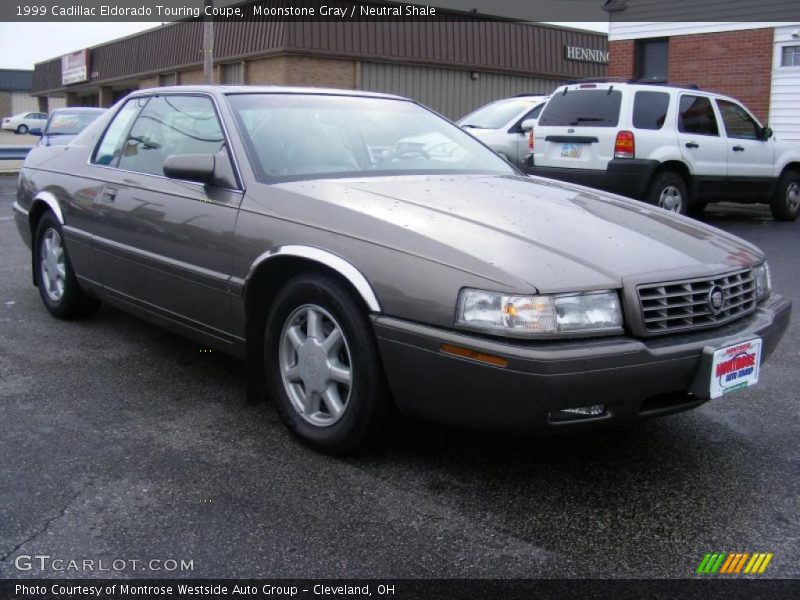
{"x": 571, "y": 150}
{"x": 735, "y": 368}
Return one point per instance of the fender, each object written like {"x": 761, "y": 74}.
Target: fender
{"x": 49, "y": 199}
{"x": 330, "y": 260}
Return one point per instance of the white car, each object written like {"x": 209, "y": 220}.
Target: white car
{"x": 675, "y": 147}
{"x": 499, "y": 125}
{"x": 24, "y": 122}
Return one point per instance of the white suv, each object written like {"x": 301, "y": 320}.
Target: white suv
{"x": 677, "y": 148}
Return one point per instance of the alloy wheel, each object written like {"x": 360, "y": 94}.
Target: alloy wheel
{"x": 671, "y": 199}
{"x": 793, "y": 196}
{"x": 315, "y": 365}
{"x": 51, "y": 261}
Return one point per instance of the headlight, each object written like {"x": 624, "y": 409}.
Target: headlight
{"x": 591, "y": 312}
{"x": 763, "y": 280}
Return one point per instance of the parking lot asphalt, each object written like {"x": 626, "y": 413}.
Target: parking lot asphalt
{"x": 124, "y": 442}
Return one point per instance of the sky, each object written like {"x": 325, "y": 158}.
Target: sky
{"x": 24, "y": 44}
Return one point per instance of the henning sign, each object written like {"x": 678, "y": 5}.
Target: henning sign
{"x": 586, "y": 54}
{"x": 75, "y": 67}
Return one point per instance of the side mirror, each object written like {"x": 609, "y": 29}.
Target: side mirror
{"x": 527, "y": 125}
{"x": 190, "y": 167}
{"x": 766, "y": 133}
{"x": 36, "y": 131}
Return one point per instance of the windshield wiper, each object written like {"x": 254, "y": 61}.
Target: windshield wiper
{"x": 587, "y": 120}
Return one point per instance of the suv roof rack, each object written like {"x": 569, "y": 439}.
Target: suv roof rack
{"x": 686, "y": 86}
{"x": 522, "y": 95}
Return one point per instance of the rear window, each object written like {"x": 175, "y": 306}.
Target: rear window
{"x": 585, "y": 108}
{"x": 697, "y": 116}
{"x": 650, "y": 110}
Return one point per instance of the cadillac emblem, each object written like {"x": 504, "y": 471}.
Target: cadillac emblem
{"x": 716, "y": 298}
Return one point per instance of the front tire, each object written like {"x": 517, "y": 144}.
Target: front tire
{"x": 668, "y": 191}
{"x": 785, "y": 204}
{"x": 323, "y": 368}
{"x": 58, "y": 286}
{"x": 22, "y": 129}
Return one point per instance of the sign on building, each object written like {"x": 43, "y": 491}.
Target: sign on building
{"x": 592, "y": 55}
{"x": 75, "y": 67}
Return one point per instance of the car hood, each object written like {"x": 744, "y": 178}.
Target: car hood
{"x": 514, "y": 230}
{"x": 57, "y": 140}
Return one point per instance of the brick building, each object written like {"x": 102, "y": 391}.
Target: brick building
{"x": 756, "y": 62}
{"x": 453, "y": 64}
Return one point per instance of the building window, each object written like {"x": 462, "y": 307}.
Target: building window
{"x": 651, "y": 60}
{"x": 790, "y": 56}
{"x": 232, "y": 73}
{"x": 166, "y": 79}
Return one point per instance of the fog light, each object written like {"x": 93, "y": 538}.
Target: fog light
{"x": 579, "y": 412}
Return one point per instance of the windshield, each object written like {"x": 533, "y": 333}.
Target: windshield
{"x": 70, "y": 123}
{"x": 587, "y": 108}
{"x": 498, "y": 114}
{"x": 297, "y": 136}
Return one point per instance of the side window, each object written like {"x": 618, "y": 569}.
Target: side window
{"x": 111, "y": 143}
{"x": 171, "y": 125}
{"x": 697, "y": 116}
{"x": 650, "y": 110}
{"x": 738, "y": 124}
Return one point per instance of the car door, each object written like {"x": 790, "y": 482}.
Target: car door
{"x": 750, "y": 157}
{"x": 702, "y": 146}
{"x": 165, "y": 246}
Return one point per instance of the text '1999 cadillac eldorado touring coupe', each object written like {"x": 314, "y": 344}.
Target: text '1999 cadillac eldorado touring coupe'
{"x": 366, "y": 257}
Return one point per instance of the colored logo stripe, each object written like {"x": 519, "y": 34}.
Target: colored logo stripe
{"x": 733, "y": 563}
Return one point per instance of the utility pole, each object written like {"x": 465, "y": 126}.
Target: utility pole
{"x": 208, "y": 44}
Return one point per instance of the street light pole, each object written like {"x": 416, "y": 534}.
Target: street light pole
{"x": 208, "y": 45}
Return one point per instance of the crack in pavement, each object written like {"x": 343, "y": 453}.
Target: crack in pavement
{"x": 42, "y": 530}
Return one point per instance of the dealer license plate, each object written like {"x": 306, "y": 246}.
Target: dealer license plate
{"x": 735, "y": 368}
{"x": 571, "y": 150}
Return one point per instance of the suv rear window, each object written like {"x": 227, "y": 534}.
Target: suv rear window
{"x": 650, "y": 110}
{"x": 697, "y": 116}
{"x": 585, "y": 108}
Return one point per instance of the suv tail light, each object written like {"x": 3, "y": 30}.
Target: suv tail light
{"x": 530, "y": 140}
{"x": 625, "y": 146}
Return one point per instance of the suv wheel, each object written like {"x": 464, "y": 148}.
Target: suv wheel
{"x": 323, "y": 366}
{"x": 668, "y": 191}
{"x": 58, "y": 286}
{"x": 785, "y": 204}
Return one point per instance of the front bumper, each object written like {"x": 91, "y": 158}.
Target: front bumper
{"x": 625, "y": 176}
{"x": 633, "y": 378}
{"x": 23, "y": 225}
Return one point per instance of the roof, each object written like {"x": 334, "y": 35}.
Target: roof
{"x": 264, "y": 89}
{"x": 14, "y": 80}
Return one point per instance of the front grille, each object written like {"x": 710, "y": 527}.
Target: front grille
{"x": 681, "y": 305}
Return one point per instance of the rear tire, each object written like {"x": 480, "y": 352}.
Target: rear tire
{"x": 785, "y": 205}
{"x": 668, "y": 191}
{"x": 58, "y": 286}
{"x": 323, "y": 368}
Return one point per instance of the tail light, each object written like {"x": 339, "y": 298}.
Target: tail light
{"x": 625, "y": 146}
{"x": 530, "y": 140}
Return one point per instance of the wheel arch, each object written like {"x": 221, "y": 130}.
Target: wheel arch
{"x": 681, "y": 169}
{"x": 268, "y": 274}
{"x": 42, "y": 203}
{"x": 790, "y": 166}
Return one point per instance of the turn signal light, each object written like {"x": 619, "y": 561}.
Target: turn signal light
{"x": 471, "y": 354}
{"x": 625, "y": 146}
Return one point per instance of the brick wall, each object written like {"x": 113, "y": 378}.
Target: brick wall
{"x": 734, "y": 63}
{"x": 621, "y": 58}
{"x": 302, "y": 70}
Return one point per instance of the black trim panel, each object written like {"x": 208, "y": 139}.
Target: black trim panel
{"x": 572, "y": 139}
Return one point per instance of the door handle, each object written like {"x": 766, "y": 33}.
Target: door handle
{"x": 109, "y": 195}
{"x": 738, "y": 149}
{"x": 692, "y": 145}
